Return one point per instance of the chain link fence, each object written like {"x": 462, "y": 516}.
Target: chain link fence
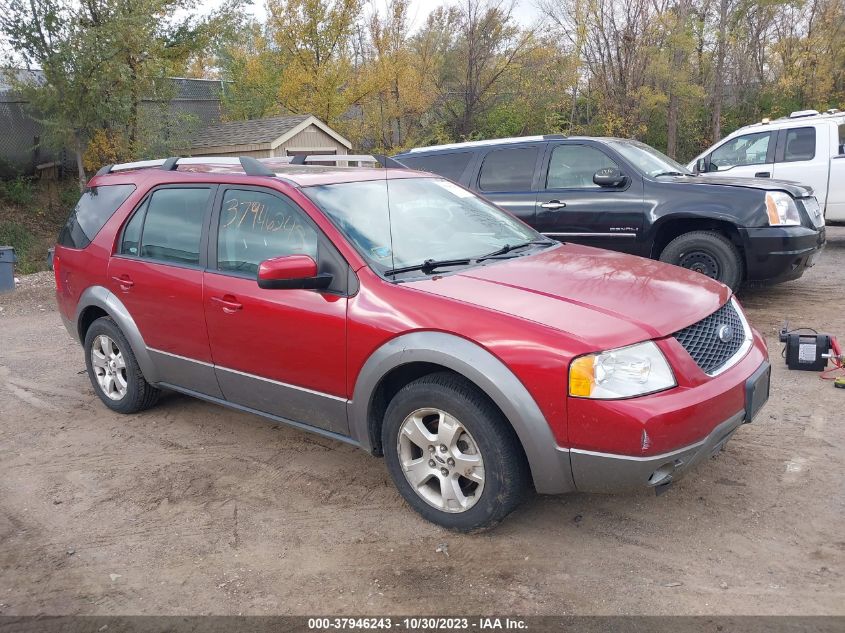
{"x": 21, "y": 149}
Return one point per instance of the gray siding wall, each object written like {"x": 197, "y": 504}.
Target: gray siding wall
{"x": 311, "y": 138}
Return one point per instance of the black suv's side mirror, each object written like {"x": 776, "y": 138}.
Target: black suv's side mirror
{"x": 609, "y": 177}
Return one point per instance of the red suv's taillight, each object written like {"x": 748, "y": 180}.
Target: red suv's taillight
{"x": 56, "y": 270}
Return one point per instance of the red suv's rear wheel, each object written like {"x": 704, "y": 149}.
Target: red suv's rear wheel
{"x": 114, "y": 371}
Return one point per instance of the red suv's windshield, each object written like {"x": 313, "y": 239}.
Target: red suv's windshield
{"x": 404, "y": 222}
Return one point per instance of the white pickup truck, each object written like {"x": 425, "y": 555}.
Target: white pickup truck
{"x": 805, "y": 147}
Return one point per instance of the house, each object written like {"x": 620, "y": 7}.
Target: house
{"x": 266, "y": 138}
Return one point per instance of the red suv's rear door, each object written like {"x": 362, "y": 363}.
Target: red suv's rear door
{"x": 277, "y": 351}
{"x": 156, "y": 273}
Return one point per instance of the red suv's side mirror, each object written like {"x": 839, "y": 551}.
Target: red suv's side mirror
{"x": 291, "y": 272}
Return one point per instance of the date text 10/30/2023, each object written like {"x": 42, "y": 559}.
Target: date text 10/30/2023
{"x": 417, "y": 623}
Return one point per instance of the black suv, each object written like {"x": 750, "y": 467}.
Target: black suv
{"x": 626, "y": 196}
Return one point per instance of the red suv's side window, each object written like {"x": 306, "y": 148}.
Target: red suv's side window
{"x": 255, "y": 226}
{"x": 167, "y": 227}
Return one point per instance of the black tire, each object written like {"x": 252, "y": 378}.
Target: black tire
{"x": 506, "y": 473}
{"x": 707, "y": 252}
{"x": 140, "y": 395}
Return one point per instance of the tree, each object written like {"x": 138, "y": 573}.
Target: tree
{"x": 314, "y": 43}
{"x": 99, "y": 60}
{"x": 403, "y": 90}
{"x": 487, "y": 49}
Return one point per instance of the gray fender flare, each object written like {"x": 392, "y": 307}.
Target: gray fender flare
{"x": 103, "y": 298}
{"x": 550, "y": 467}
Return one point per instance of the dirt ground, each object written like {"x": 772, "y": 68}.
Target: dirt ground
{"x": 194, "y": 509}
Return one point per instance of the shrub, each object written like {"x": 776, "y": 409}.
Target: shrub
{"x": 68, "y": 197}
{"x": 19, "y": 191}
{"x": 14, "y": 235}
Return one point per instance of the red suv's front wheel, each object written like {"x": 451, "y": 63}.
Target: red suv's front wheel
{"x": 452, "y": 454}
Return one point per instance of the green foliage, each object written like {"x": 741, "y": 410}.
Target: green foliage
{"x": 677, "y": 74}
{"x": 17, "y": 191}
{"x": 68, "y": 197}
{"x": 100, "y": 59}
{"x": 22, "y": 240}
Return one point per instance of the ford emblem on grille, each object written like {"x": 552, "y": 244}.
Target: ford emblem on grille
{"x": 726, "y": 333}
{"x": 715, "y": 340}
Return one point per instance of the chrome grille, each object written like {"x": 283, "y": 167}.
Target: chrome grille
{"x": 702, "y": 340}
{"x": 811, "y": 206}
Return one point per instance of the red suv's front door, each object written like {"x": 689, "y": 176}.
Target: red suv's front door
{"x": 156, "y": 273}
{"x": 277, "y": 351}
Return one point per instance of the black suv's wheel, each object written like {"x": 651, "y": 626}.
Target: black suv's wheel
{"x": 708, "y": 253}
{"x": 451, "y": 453}
{"x": 114, "y": 371}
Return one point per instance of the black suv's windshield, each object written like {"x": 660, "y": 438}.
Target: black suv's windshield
{"x": 648, "y": 160}
{"x": 430, "y": 223}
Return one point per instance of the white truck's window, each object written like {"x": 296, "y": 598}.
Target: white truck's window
{"x": 842, "y": 139}
{"x": 749, "y": 149}
{"x": 800, "y": 144}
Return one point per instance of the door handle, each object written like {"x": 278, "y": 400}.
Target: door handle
{"x": 124, "y": 281}
{"x": 763, "y": 174}
{"x": 553, "y": 205}
{"x": 228, "y": 303}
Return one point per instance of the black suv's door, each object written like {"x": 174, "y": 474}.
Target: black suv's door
{"x": 570, "y": 207}
{"x": 508, "y": 176}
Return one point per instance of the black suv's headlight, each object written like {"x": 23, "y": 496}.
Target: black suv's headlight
{"x": 781, "y": 209}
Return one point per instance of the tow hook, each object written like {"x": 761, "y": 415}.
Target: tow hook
{"x": 659, "y": 489}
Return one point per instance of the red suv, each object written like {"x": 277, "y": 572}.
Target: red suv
{"x": 399, "y": 312}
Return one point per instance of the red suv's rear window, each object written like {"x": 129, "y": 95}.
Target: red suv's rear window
{"x": 90, "y": 214}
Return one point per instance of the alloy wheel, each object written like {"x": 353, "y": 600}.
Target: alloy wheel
{"x": 441, "y": 460}
{"x": 109, "y": 367}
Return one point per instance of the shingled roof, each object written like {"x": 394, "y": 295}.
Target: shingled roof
{"x": 258, "y": 131}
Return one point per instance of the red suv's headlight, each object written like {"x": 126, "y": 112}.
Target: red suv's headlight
{"x": 621, "y": 373}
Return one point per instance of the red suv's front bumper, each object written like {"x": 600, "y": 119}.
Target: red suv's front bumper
{"x": 648, "y": 441}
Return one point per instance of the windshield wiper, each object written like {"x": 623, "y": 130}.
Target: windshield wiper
{"x": 507, "y": 248}
{"x": 428, "y": 266}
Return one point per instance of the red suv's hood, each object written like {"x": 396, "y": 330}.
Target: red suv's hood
{"x": 603, "y": 298}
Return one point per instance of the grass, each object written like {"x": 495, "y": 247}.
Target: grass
{"x": 19, "y": 191}
{"x": 32, "y": 213}
{"x": 69, "y": 195}
{"x": 23, "y": 241}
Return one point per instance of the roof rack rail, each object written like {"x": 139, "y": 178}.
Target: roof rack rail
{"x": 251, "y": 166}
{"x": 800, "y": 114}
{"x": 381, "y": 159}
{"x": 484, "y": 143}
